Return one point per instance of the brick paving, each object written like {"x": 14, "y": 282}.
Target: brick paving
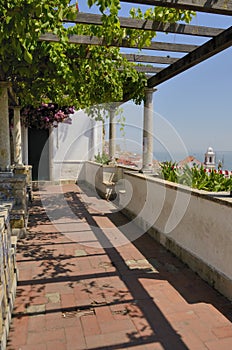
{"x": 77, "y": 291}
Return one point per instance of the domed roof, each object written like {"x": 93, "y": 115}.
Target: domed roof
{"x": 210, "y": 150}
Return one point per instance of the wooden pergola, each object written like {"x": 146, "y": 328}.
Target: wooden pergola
{"x": 175, "y": 58}
{"x": 216, "y": 40}
{"x": 219, "y": 38}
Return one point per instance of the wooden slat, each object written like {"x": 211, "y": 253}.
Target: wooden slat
{"x": 93, "y": 40}
{"x": 148, "y": 69}
{"x": 149, "y": 59}
{"x": 223, "y": 7}
{"x": 210, "y": 48}
{"x": 132, "y": 23}
{"x": 145, "y": 69}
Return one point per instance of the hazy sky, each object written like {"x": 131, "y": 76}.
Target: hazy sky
{"x": 197, "y": 103}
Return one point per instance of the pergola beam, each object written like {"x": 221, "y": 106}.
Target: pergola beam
{"x": 207, "y": 50}
{"x": 149, "y": 59}
{"x": 146, "y": 69}
{"x": 221, "y": 39}
{"x": 133, "y": 23}
{"x": 93, "y": 40}
{"x": 220, "y": 7}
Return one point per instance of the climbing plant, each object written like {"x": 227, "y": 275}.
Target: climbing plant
{"x": 64, "y": 73}
{"x": 110, "y": 19}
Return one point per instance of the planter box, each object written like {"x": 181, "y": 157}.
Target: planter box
{"x": 101, "y": 178}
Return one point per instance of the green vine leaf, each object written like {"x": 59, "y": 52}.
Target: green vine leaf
{"x": 69, "y": 74}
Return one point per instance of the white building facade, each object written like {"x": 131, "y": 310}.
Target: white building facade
{"x": 66, "y": 148}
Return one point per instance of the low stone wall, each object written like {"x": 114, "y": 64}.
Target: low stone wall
{"x": 24, "y": 170}
{"x": 14, "y": 188}
{"x": 8, "y": 272}
{"x": 195, "y": 225}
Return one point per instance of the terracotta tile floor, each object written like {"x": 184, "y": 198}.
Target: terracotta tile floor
{"x": 77, "y": 291}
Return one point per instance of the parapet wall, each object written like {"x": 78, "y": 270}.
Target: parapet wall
{"x": 195, "y": 225}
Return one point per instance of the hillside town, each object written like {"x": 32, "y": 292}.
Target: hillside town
{"x": 134, "y": 160}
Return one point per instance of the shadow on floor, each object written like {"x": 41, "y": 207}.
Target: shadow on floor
{"x": 132, "y": 299}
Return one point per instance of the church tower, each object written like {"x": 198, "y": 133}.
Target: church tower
{"x": 210, "y": 159}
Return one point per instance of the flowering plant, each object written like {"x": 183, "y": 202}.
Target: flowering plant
{"x": 46, "y": 116}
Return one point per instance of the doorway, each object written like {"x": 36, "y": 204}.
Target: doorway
{"x": 38, "y": 153}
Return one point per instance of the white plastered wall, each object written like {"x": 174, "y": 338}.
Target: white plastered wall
{"x": 73, "y": 144}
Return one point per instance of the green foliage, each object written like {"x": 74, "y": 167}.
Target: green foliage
{"x": 161, "y": 14}
{"x": 36, "y": 69}
{"x": 69, "y": 74}
{"x": 22, "y": 23}
{"x": 102, "y": 158}
{"x": 196, "y": 177}
{"x": 121, "y": 120}
{"x": 139, "y": 38}
{"x": 102, "y": 112}
{"x": 169, "y": 171}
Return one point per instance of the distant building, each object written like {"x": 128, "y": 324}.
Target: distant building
{"x": 210, "y": 159}
{"x": 190, "y": 161}
{"x": 126, "y": 162}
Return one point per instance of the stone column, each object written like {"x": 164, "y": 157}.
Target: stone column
{"x": 97, "y": 138}
{"x": 91, "y": 152}
{"x": 112, "y": 134}
{"x": 17, "y": 137}
{"x": 148, "y": 132}
{"x": 4, "y": 127}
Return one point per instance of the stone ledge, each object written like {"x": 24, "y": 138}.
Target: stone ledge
{"x": 9, "y": 310}
{"x": 19, "y": 232}
{"x": 223, "y": 198}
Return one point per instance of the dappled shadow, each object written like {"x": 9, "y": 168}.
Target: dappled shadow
{"x": 60, "y": 208}
{"x": 104, "y": 280}
{"x": 192, "y": 288}
{"x": 147, "y": 310}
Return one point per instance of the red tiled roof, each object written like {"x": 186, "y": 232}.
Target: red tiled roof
{"x": 189, "y": 159}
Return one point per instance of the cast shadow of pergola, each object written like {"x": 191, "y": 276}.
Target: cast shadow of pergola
{"x": 132, "y": 300}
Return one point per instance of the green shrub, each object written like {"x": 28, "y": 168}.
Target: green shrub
{"x": 102, "y": 158}
{"x": 196, "y": 177}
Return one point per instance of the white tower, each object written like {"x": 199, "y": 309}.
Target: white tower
{"x": 210, "y": 159}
